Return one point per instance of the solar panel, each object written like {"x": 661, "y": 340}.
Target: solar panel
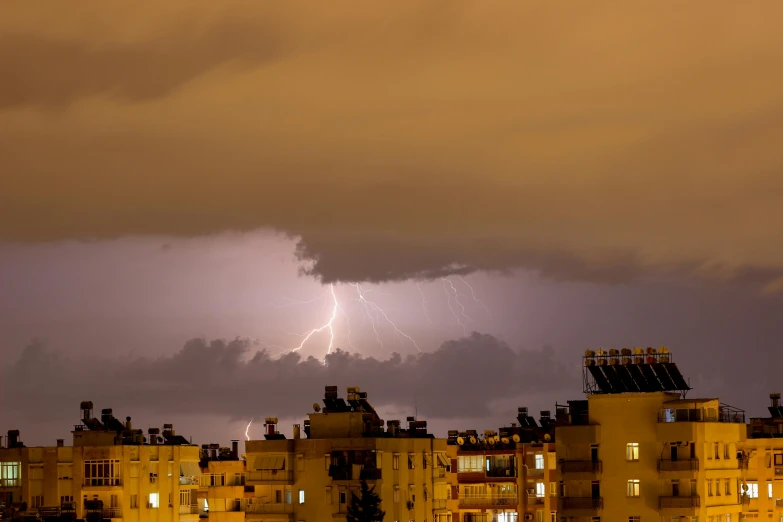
{"x": 625, "y": 376}
{"x": 649, "y": 375}
{"x": 663, "y": 376}
{"x": 639, "y": 379}
{"x": 600, "y": 380}
{"x": 614, "y": 379}
{"x": 674, "y": 373}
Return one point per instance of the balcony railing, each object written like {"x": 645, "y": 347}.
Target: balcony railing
{"x": 501, "y": 472}
{"x": 678, "y": 502}
{"x": 439, "y": 473}
{"x": 102, "y": 481}
{"x": 533, "y": 498}
{"x": 439, "y": 503}
{"x": 581, "y": 503}
{"x": 271, "y": 475}
{"x": 678, "y": 465}
{"x": 581, "y": 466}
{"x": 271, "y": 508}
{"x": 212, "y": 480}
{"x": 188, "y": 510}
{"x": 476, "y": 517}
{"x": 112, "y": 512}
{"x": 10, "y": 483}
{"x": 506, "y": 500}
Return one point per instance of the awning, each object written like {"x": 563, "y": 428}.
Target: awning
{"x": 444, "y": 462}
{"x": 267, "y": 463}
{"x": 189, "y": 469}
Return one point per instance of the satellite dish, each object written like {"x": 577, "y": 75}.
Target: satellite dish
{"x": 497, "y": 438}
{"x": 491, "y": 441}
{"x": 504, "y": 440}
{"x": 515, "y": 438}
{"x": 547, "y": 436}
{"x": 473, "y": 440}
{"x": 316, "y": 407}
{"x": 460, "y": 441}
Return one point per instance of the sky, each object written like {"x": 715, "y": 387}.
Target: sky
{"x": 181, "y": 188}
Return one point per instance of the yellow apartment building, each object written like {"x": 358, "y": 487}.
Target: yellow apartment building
{"x": 638, "y": 450}
{"x": 506, "y": 476}
{"x": 762, "y": 466}
{"x": 222, "y": 496}
{"x": 312, "y": 477}
{"x": 108, "y": 473}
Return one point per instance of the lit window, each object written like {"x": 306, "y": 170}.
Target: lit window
{"x": 633, "y": 488}
{"x": 753, "y": 490}
{"x": 632, "y": 451}
{"x": 769, "y": 489}
{"x": 553, "y": 489}
{"x": 301, "y": 496}
{"x": 540, "y": 489}
{"x": 154, "y": 501}
{"x": 635, "y": 519}
{"x": 539, "y": 461}
{"x": 396, "y": 461}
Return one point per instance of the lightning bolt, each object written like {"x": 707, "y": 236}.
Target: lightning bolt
{"x": 423, "y": 303}
{"x": 377, "y": 310}
{"x": 247, "y": 429}
{"x": 473, "y": 295}
{"x": 448, "y": 286}
{"x": 328, "y": 326}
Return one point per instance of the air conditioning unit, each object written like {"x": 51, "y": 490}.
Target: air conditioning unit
{"x": 410, "y": 505}
{"x": 528, "y": 516}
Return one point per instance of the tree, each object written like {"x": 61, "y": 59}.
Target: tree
{"x": 367, "y": 507}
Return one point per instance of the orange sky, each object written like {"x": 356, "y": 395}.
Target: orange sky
{"x": 586, "y": 140}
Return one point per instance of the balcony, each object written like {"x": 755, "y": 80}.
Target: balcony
{"x": 533, "y": 499}
{"x": 439, "y": 503}
{"x": 678, "y": 465}
{"x": 592, "y": 467}
{"x": 188, "y": 510}
{"x": 208, "y": 480}
{"x": 10, "y": 483}
{"x": 112, "y": 512}
{"x": 678, "y": 502}
{"x": 271, "y": 475}
{"x": 506, "y": 472}
{"x": 505, "y": 500}
{"x": 102, "y": 482}
{"x": 571, "y": 506}
{"x": 476, "y": 517}
{"x": 259, "y": 508}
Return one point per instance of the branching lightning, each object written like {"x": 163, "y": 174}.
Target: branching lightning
{"x": 377, "y": 310}
{"x": 473, "y": 295}
{"x": 247, "y": 429}
{"x": 448, "y": 286}
{"x": 328, "y": 326}
{"x": 423, "y": 303}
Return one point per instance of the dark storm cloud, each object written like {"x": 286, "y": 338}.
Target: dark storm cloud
{"x": 416, "y": 139}
{"x": 460, "y": 379}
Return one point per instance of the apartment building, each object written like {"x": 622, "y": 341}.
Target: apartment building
{"x": 507, "y": 475}
{"x": 761, "y": 466}
{"x": 223, "y": 495}
{"x": 313, "y": 478}
{"x": 109, "y": 472}
{"x": 637, "y": 449}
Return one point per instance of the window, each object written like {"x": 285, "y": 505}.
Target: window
{"x": 424, "y": 461}
{"x": 727, "y": 487}
{"x": 717, "y": 450}
{"x": 288, "y": 496}
{"x": 632, "y": 451}
{"x": 344, "y": 497}
{"x": 540, "y": 489}
{"x": 753, "y": 490}
{"x": 36, "y": 501}
{"x": 539, "y": 461}
{"x": 154, "y": 502}
{"x": 396, "y": 461}
{"x": 301, "y": 496}
{"x": 169, "y": 471}
{"x": 134, "y": 501}
{"x": 396, "y": 494}
{"x": 102, "y": 473}
{"x": 66, "y": 499}
{"x": 769, "y": 489}
{"x": 9, "y": 474}
{"x": 184, "y": 497}
{"x": 411, "y": 463}
{"x": 552, "y": 460}
{"x": 633, "y": 488}
{"x": 65, "y": 471}
{"x": 779, "y": 459}
{"x": 553, "y": 489}
{"x": 470, "y": 463}
{"x": 709, "y": 488}
{"x": 635, "y": 519}
{"x": 725, "y": 451}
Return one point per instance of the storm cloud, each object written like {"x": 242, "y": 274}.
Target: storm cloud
{"x": 592, "y": 142}
{"x": 232, "y": 379}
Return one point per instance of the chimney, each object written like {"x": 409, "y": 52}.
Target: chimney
{"x": 297, "y": 432}
{"x": 13, "y": 438}
{"x": 775, "y": 399}
{"x": 235, "y": 449}
{"x": 128, "y": 425}
{"x": 153, "y": 433}
{"x": 60, "y": 443}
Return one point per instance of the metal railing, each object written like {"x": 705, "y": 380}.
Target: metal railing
{"x": 102, "y": 481}
{"x": 679, "y": 502}
{"x": 112, "y": 512}
{"x": 271, "y": 475}
{"x": 580, "y": 503}
{"x": 678, "y": 465}
{"x": 505, "y": 500}
{"x": 272, "y": 508}
{"x": 581, "y": 466}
